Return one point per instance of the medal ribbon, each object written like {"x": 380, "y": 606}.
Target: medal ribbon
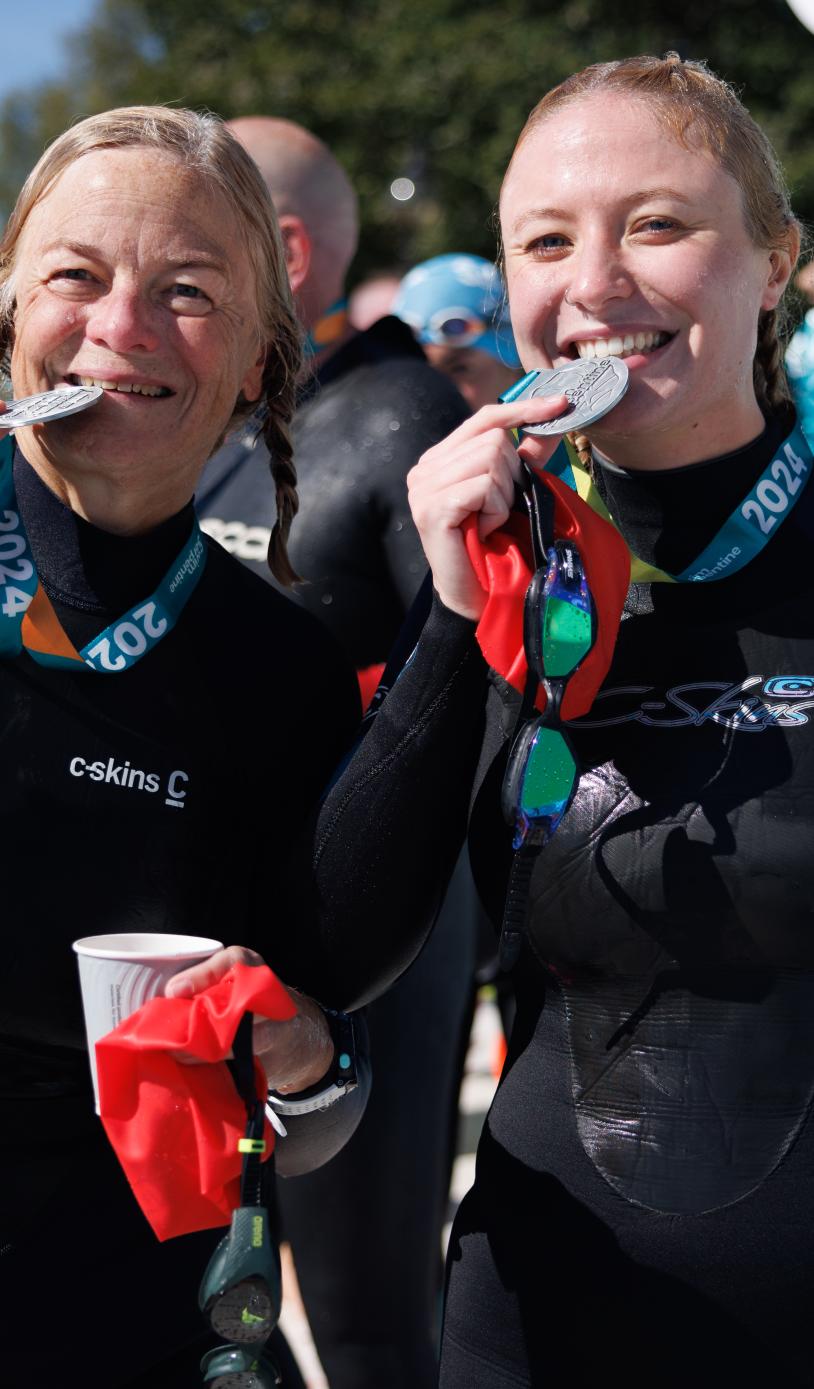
{"x": 741, "y": 538}
{"x": 27, "y": 617}
{"x": 328, "y": 329}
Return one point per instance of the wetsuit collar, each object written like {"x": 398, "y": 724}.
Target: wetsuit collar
{"x": 705, "y": 521}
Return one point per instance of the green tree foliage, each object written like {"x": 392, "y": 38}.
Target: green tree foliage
{"x": 436, "y": 90}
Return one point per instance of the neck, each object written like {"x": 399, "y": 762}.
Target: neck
{"x": 727, "y": 432}
{"x": 119, "y": 505}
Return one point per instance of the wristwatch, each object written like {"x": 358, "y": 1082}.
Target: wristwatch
{"x": 340, "y": 1080}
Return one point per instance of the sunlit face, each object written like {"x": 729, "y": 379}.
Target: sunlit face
{"x": 479, "y": 376}
{"x": 132, "y": 274}
{"x": 617, "y": 239}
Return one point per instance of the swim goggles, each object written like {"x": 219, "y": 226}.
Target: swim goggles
{"x": 241, "y": 1290}
{"x": 542, "y": 774}
{"x": 454, "y": 327}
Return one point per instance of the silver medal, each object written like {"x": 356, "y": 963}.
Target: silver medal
{"x": 49, "y": 405}
{"x": 593, "y": 387}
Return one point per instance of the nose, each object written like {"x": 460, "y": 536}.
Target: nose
{"x": 123, "y": 320}
{"x": 597, "y": 275}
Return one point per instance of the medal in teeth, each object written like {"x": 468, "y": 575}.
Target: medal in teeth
{"x": 592, "y": 386}
{"x": 49, "y": 405}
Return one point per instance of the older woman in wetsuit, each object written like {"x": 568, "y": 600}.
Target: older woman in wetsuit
{"x": 160, "y": 786}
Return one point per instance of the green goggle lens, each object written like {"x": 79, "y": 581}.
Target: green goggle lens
{"x": 549, "y": 776}
{"x": 566, "y": 636}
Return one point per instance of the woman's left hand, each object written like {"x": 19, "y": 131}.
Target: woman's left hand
{"x": 296, "y": 1053}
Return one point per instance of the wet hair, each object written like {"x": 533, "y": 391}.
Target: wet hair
{"x": 200, "y": 142}
{"x": 702, "y": 111}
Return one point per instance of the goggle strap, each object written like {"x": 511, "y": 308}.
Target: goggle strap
{"x": 513, "y": 927}
{"x": 251, "y": 1173}
{"x": 540, "y": 504}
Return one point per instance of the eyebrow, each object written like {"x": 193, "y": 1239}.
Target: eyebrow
{"x": 202, "y": 260}
{"x": 558, "y": 214}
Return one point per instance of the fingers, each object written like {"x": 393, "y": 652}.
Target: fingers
{"x": 513, "y": 415}
{"x": 445, "y": 487}
{"x": 199, "y": 977}
{"x": 472, "y": 472}
{"x": 296, "y": 1053}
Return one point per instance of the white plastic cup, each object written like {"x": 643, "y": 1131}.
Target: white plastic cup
{"x": 118, "y": 973}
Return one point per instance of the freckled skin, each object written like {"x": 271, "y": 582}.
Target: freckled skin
{"x": 132, "y": 267}
{"x": 610, "y": 226}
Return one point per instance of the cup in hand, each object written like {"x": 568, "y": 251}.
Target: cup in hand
{"x": 118, "y": 973}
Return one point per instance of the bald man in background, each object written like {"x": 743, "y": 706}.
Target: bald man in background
{"x": 370, "y": 406}
{"x": 366, "y": 1229}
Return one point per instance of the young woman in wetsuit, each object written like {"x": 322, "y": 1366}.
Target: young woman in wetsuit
{"x": 644, "y": 1196}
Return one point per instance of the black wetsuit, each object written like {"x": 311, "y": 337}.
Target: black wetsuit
{"x": 366, "y": 1228}
{"x": 643, "y": 1205}
{"x": 167, "y": 798}
{"x": 367, "y": 416}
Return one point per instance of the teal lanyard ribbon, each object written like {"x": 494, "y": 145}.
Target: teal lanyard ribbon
{"x": 743, "y": 535}
{"x": 328, "y": 329}
{"x": 120, "y": 645}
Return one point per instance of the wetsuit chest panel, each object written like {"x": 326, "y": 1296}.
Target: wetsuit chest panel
{"x": 694, "y": 814}
{"x": 685, "y": 1102}
{"x": 676, "y": 907}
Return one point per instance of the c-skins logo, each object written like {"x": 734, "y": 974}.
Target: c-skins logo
{"x": 782, "y": 701}
{"x": 113, "y": 773}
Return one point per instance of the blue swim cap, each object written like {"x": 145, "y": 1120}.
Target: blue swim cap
{"x": 458, "y": 301}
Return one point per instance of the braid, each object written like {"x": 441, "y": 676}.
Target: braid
{"x": 279, "y": 389}
{"x": 582, "y": 446}
{"x": 771, "y": 386}
{"x": 278, "y": 442}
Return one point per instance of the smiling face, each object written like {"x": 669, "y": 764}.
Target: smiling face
{"x": 618, "y": 239}
{"x": 132, "y": 274}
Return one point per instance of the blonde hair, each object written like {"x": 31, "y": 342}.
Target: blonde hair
{"x": 201, "y": 142}
{"x": 701, "y": 110}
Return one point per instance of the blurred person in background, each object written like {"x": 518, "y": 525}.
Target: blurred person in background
{"x": 368, "y": 405}
{"x": 457, "y": 307}
{"x": 372, "y": 299}
{"x": 367, "y": 1239}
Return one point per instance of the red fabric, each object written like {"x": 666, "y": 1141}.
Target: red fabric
{"x": 369, "y": 678}
{"x": 174, "y": 1126}
{"x": 504, "y": 566}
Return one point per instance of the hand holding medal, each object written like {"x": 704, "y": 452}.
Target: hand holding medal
{"x": 474, "y": 470}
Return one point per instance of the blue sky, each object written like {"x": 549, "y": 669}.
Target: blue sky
{"x": 33, "y": 32}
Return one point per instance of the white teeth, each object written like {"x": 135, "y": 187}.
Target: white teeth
{"x": 621, "y": 346}
{"x": 127, "y": 387}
